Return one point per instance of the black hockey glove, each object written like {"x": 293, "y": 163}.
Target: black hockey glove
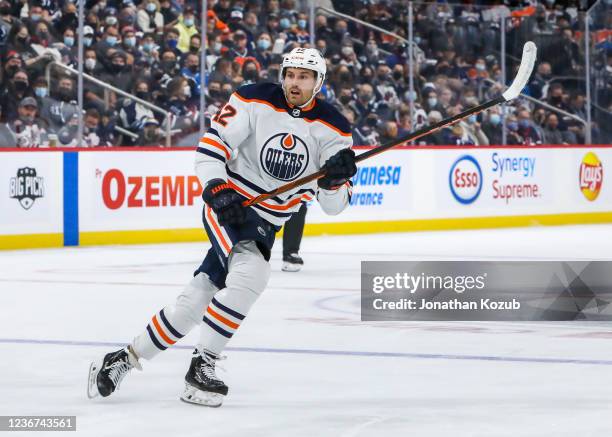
{"x": 338, "y": 169}
{"x": 225, "y": 202}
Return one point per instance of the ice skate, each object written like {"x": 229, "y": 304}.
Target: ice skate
{"x": 292, "y": 263}
{"x": 202, "y": 386}
{"x": 105, "y": 377}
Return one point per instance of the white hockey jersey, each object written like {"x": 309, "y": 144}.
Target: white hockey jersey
{"x": 257, "y": 142}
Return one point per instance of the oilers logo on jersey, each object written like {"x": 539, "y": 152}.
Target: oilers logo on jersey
{"x": 284, "y": 156}
{"x": 257, "y": 145}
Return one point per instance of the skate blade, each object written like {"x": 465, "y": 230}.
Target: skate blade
{"x": 290, "y": 267}
{"x": 192, "y": 395}
{"x": 92, "y": 384}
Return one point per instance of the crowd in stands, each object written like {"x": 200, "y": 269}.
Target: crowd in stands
{"x": 151, "y": 50}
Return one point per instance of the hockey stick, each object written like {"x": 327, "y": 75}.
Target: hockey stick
{"x": 522, "y": 76}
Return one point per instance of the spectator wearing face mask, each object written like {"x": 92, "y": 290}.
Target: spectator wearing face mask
{"x": 214, "y": 51}
{"x": 110, "y": 40}
{"x": 250, "y": 72}
{"x": 67, "y": 48}
{"x": 91, "y": 65}
{"x": 148, "y": 17}
{"x": 21, "y": 53}
{"x": 93, "y": 93}
{"x": 180, "y": 104}
{"x": 512, "y": 135}
{"x": 118, "y": 73}
{"x": 527, "y": 129}
{"x": 286, "y": 22}
{"x": 539, "y": 82}
{"x": 186, "y": 29}
{"x": 28, "y": 129}
{"x": 473, "y": 130}
{"x": 61, "y": 107}
{"x": 191, "y": 71}
{"x": 129, "y": 42}
{"x": 36, "y": 14}
{"x": 263, "y": 52}
{"x": 89, "y": 37}
{"x": 366, "y": 102}
{"x": 300, "y": 30}
{"x": 170, "y": 42}
{"x": 341, "y": 77}
{"x": 133, "y": 114}
{"x": 42, "y": 36}
{"x": 214, "y": 100}
{"x": 367, "y": 130}
{"x": 68, "y": 19}
{"x": 41, "y": 90}
{"x": 371, "y": 54}
{"x": 15, "y": 90}
{"x": 481, "y": 68}
{"x": 345, "y": 100}
{"x": 492, "y": 127}
{"x": 148, "y": 50}
{"x": 167, "y": 69}
{"x": 431, "y": 102}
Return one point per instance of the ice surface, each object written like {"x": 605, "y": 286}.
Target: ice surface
{"x": 303, "y": 364}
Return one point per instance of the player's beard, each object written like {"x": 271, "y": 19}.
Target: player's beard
{"x": 297, "y": 100}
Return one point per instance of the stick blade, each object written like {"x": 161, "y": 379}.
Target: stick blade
{"x": 524, "y": 72}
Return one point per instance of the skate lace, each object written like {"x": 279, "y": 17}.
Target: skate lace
{"x": 117, "y": 372}
{"x": 209, "y": 364}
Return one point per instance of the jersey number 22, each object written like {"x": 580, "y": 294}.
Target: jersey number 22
{"x": 223, "y": 114}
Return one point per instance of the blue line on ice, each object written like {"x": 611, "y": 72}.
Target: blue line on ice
{"x": 333, "y": 352}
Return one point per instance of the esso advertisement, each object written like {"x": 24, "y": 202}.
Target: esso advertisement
{"x": 501, "y": 178}
{"x": 31, "y": 193}
{"x": 465, "y": 179}
{"x": 590, "y": 176}
{"x": 121, "y": 190}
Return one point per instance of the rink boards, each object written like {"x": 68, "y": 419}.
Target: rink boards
{"x": 73, "y": 197}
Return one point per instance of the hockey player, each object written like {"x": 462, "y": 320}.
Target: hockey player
{"x": 265, "y": 136}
